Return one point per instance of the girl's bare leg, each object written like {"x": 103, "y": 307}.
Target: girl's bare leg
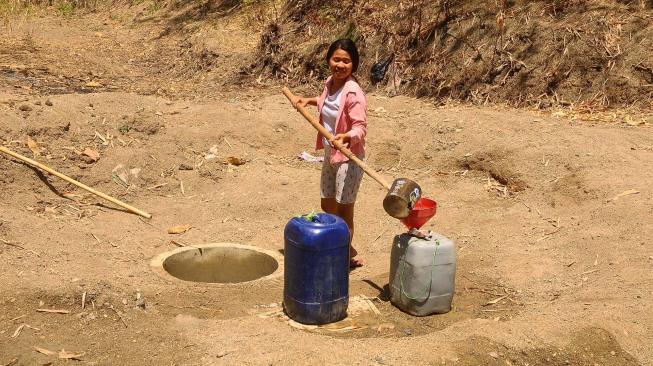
{"x": 330, "y": 206}
{"x": 346, "y": 212}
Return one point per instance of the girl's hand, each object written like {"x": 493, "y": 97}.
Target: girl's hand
{"x": 303, "y": 102}
{"x": 339, "y": 140}
{"x": 300, "y": 102}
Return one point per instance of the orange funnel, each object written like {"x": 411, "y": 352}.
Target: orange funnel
{"x": 421, "y": 213}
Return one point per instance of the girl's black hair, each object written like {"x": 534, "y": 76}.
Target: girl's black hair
{"x": 347, "y": 45}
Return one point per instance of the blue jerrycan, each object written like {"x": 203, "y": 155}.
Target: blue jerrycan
{"x": 316, "y": 269}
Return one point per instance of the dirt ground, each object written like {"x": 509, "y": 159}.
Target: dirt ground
{"x": 551, "y": 215}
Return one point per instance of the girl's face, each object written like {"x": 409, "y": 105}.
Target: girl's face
{"x": 340, "y": 64}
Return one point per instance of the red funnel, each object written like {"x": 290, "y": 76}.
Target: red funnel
{"x": 421, "y": 213}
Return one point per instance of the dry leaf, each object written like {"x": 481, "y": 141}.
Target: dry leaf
{"x": 126, "y": 176}
{"x": 20, "y": 329}
{"x": 179, "y": 229}
{"x": 69, "y": 355}
{"x": 492, "y": 302}
{"x": 33, "y": 146}
{"x": 93, "y": 84}
{"x": 94, "y": 155}
{"x": 235, "y": 161}
{"x": 629, "y": 120}
{"x": 17, "y": 332}
{"x": 104, "y": 141}
{"x": 384, "y": 326}
{"x": 123, "y": 176}
{"x": 625, "y": 193}
{"x": 44, "y": 351}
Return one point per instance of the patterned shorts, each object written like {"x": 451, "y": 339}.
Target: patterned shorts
{"x": 340, "y": 181}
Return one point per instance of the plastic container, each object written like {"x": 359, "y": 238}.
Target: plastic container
{"x": 422, "y": 274}
{"x": 316, "y": 269}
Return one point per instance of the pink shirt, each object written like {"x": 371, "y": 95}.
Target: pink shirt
{"x": 351, "y": 119}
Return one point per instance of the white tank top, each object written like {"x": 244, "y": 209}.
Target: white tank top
{"x": 330, "y": 113}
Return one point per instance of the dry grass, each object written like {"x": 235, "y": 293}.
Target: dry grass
{"x": 12, "y": 8}
{"x": 585, "y": 54}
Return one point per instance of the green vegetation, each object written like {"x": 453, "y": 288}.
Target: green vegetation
{"x": 155, "y": 6}
{"x": 124, "y": 129}
{"x": 351, "y": 32}
{"x": 311, "y": 217}
{"x": 66, "y": 8}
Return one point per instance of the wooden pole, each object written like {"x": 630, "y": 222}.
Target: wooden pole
{"x": 313, "y": 121}
{"x": 71, "y": 180}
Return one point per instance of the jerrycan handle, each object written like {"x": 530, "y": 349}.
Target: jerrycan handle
{"x": 428, "y": 288}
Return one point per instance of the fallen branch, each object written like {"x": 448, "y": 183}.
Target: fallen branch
{"x": 493, "y": 310}
{"x": 72, "y": 181}
{"x": 492, "y": 302}
{"x": 119, "y": 316}
{"x": 11, "y": 362}
{"x": 178, "y": 243}
{"x": 20, "y": 329}
{"x": 53, "y": 311}
{"x": 63, "y": 354}
{"x": 44, "y": 351}
{"x": 157, "y": 186}
{"x": 19, "y": 246}
{"x": 483, "y": 291}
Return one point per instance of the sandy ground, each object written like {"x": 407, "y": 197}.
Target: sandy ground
{"x": 550, "y": 214}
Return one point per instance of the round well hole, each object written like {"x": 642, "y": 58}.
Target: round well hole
{"x": 218, "y": 263}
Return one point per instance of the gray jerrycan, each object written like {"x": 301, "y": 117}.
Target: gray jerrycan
{"x": 422, "y": 274}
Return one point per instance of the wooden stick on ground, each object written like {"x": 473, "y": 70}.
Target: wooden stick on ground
{"x": 78, "y": 184}
{"x": 18, "y": 246}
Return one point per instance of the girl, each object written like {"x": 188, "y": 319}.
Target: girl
{"x": 341, "y": 106}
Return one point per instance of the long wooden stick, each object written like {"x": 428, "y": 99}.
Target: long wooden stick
{"x": 71, "y": 180}
{"x": 310, "y": 118}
